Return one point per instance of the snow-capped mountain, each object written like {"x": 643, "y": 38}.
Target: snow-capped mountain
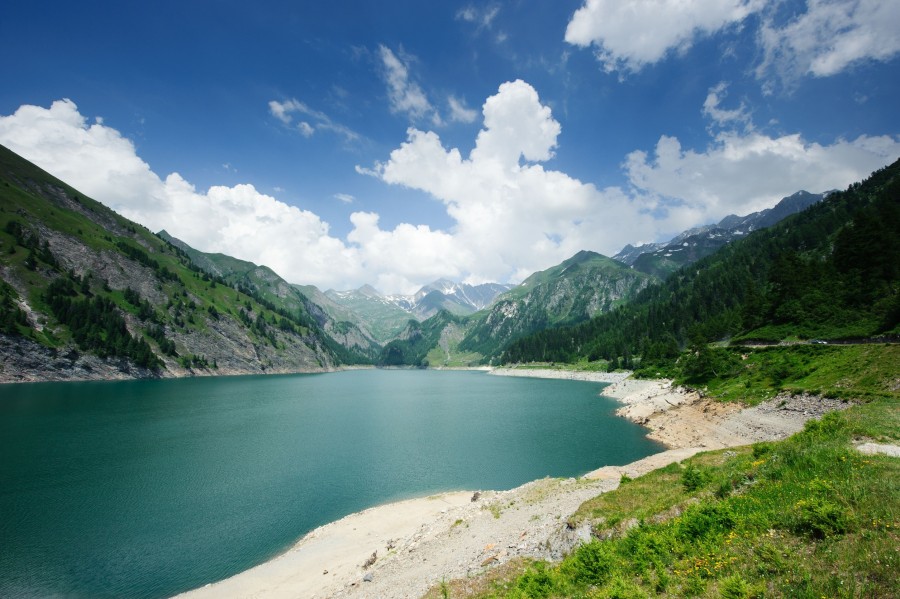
{"x": 661, "y": 259}
{"x": 388, "y": 314}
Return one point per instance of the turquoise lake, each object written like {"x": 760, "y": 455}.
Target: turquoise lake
{"x": 150, "y": 488}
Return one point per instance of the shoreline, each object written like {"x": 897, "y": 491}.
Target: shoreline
{"x": 417, "y": 543}
{"x": 571, "y": 375}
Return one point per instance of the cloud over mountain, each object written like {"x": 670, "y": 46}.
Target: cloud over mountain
{"x": 511, "y": 212}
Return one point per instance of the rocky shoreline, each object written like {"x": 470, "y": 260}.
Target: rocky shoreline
{"x": 401, "y": 550}
{"x": 24, "y": 361}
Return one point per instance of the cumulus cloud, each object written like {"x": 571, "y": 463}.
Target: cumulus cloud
{"x": 827, "y": 38}
{"x": 743, "y": 173}
{"x": 627, "y": 36}
{"x": 831, "y": 36}
{"x": 405, "y": 95}
{"x": 515, "y": 216}
{"x": 512, "y": 214}
{"x": 239, "y": 220}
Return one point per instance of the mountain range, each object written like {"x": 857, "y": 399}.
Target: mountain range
{"x": 86, "y": 293}
{"x": 388, "y": 314}
{"x": 662, "y": 259}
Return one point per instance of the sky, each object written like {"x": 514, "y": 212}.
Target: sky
{"x": 397, "y": 142}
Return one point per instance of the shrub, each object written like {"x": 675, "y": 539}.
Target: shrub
{"x": 537, "y": 582}
{"x": 592, "y": 563}
{"x": 734, "y": 587}
{"x": 620, "y": 589}
{"x": 693, "y": 478}
{"x": 705, "y": 520}
{"x": 819, "y": 518}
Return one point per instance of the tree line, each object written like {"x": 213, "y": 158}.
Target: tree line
{"x": 830, "y": 272}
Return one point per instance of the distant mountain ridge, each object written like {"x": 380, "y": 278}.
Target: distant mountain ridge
{"x": 571, "y": 292}
{"x": 387, "y": 315}
{"x": 662, "y": 259}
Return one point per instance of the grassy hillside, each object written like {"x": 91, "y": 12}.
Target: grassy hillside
{"x": 79, "y": 279}
{"x": 352, "y": 344}
{"x": 570, "y": 292}
{"x": 806, "y": 517}
{"x": 383, "y": 318}
{"x": 830, "y": 272}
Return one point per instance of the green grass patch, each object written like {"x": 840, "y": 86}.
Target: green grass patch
{"x": 804, "y": 517}
{"x": 750, "y": 375}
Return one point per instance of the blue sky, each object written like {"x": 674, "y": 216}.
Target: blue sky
{"x": 394, "y": 143}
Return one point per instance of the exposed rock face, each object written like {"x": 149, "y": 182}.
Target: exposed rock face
{"x": 24, "y": 361}
{"x": 82, "y": 283}
{"x": 342, "y": 327}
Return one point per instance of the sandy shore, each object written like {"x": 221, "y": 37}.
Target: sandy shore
{"x": 571, "y": 375}
{"x": 417, "y": 543}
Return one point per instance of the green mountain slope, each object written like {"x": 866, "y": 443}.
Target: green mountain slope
{"x": 573, "y": 291}
{"x": 86, "y": 293}
{"x": 830, "y": 272}
{"x": 413, "y": 345}
{"x": 267, "y": 286}
{"x": 385, "y": 319}
{"x": 583, "y": 286}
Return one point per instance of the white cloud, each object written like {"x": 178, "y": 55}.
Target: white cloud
{"x": 344, "y": 197}
{"x": 831, "y": 36}
{"x": 512, "y": 218}
{"x": 630, "y": 35}
{"x": 511, "y": 214}
{"x": 722, "y": 116}
{"x": 743, "y": 173}
{"x": 482, "y": 18}
{"x": 459, "y": 112}
{"x": 284, "y": 112}
{"x": 95, "y": 158}
{"x": 406, "y": 97}
{"x": 239, "y": 221}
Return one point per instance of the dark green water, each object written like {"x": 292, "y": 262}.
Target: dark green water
{"x": 149, "y": 488}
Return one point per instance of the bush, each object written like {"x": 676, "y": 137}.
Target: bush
{"x": 819, "y": 518}
{"x": 537, "y": 582}
{"x": 592, "y": 563}
{"x": 693, "y": 478}
{"x": 620, "y": 589}
{"x": 706, "y": 520}
{"x": 734, "y": 587}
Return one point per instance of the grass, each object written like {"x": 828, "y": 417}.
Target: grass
{"x": 853, "y": 372}
{"x": 805, "y": 517}
{"x": 438, "y": 358}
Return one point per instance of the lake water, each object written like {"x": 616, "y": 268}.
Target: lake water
{"x": 149, "y": 488}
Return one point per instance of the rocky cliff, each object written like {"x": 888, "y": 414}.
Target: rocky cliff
{"x": 87, "y": 294}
